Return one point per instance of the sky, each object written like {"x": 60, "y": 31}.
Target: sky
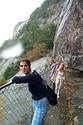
{"x": 12, "y": 12}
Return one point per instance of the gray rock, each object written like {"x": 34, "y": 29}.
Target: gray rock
{"x": 68, "y": 41}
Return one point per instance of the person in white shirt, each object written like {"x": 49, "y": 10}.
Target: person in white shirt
{"x": 60, "y": 77}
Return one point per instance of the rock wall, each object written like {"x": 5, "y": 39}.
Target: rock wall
{"x": 68, "y": 42}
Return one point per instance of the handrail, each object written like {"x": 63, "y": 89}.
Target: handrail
{"x": 5, "y": 85}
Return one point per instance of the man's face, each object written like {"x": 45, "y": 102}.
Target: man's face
{"x": 24, "y": 68}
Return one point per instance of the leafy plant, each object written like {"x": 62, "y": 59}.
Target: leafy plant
{"x": 11, "y": 71}
{"x": 2, "y": 81}
{"x": 39, "y": 50}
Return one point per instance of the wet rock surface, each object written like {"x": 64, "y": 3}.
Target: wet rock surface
{"x": 77, "y": 98}
{"x": 68, "y": 41}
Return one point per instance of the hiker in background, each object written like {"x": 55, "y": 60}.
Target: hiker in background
{"x": 60, "y": 77}
{"x": 57, "y": 66}
{"x": 52, "y": 73}
{"x": 53, "y": 66}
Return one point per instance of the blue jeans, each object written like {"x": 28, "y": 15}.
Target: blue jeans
{"x": 40, "y": 108}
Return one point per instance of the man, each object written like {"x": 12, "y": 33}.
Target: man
{"x": 37, "y": 89}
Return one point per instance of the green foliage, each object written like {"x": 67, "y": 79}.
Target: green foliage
{"x": 33, "y": 34}
{"x": 2, "y": 81}
{"x": 11, "y": 71}
{"x": 47, "y": 35}
{"x": 43, "y": 10}
{"x": 29, "y": 35}
{"x": 39, "y": 50}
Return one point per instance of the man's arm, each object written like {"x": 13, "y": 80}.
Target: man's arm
{"x": 23, "y": 79}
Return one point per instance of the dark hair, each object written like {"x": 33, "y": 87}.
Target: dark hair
{"x": 25, "y": 60}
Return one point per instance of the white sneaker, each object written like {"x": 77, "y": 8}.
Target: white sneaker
{"x": 58, "y": 96}
{"x": 55, "y": 91}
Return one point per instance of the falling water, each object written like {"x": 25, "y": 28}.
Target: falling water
{"x": 11, "y": 49}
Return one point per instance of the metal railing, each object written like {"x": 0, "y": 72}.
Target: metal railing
{"x": 15, "y": 107}
{"x": 15, "y": 104}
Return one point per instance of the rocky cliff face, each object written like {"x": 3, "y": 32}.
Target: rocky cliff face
{"x": 68, "y": 42}
{"x": 55, "y": 11}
